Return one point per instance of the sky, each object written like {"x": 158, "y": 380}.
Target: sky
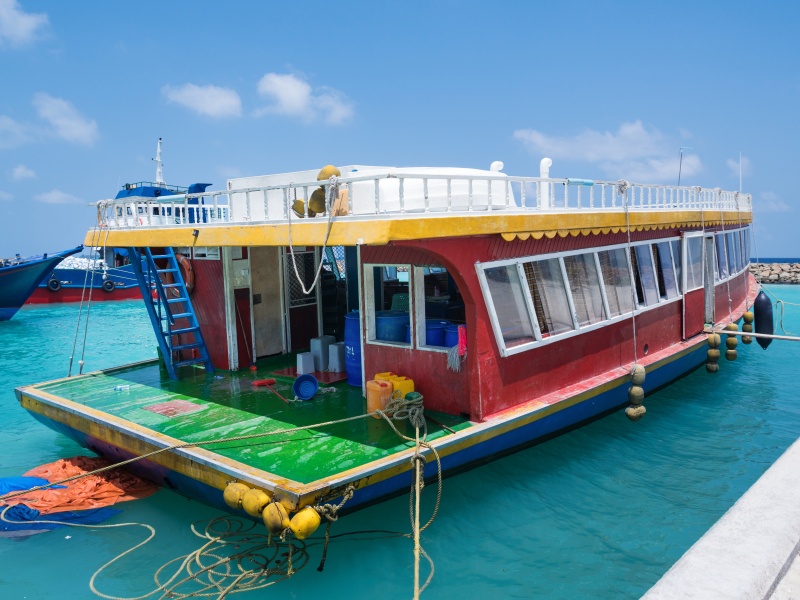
{"x": 608, "y": 90}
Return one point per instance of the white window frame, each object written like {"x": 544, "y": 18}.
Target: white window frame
{"x": 685, "y": 260}
{"x": 369, "y": 303}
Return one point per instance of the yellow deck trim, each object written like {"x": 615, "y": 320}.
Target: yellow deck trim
{"x": 381, "y": 230}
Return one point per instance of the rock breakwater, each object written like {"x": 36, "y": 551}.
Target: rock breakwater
{"x": 776, "y": 272}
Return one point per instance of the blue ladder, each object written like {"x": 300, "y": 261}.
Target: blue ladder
{"x": 171, "y": 303}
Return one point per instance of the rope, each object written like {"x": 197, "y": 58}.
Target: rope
{"x": 95, "y": 235}
{"x": 333, "y": 190}
{"x": 725, "y": 241}
{"x": 88, "y": 308}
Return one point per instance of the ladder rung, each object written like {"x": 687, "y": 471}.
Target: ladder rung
{"x": 186, "y": 363}
{"x": 161, "y": 256}
{"x": 182, "y": 315}
{"x": 186, "y": 346}
{"x": 175, "y": 300}
{"x": 170, "y": 285}
{"x": 184, "y": 330}
{"x": 167, "y": 270}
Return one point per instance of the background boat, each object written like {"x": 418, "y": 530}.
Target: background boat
{"x": 20, "y": 276}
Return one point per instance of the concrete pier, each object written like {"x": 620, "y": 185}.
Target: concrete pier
{"x": 752, "y": 551}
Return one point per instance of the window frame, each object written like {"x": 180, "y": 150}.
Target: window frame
{"x": 368, "y": 277}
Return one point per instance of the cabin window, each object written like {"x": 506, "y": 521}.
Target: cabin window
{"x": 510, "y": 306}
{"x": 677, "y": 261}
{"x": 617, "y": 281}
{"x": 546, "y": 284}
{"x": 665, "y": 271}
{"x": 438, "y": 307}
{"x": 333, "y": 261}
{"x": 694, "y": 263}
{"x": 584, "y": 283}
{"x": 722, "y": 259}
{"x": 734, "y": 251}
{"x": 388, "y": 303}
{"x": 644, "y": 275}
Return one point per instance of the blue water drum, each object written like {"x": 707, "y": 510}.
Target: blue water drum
{"x": 390, "y": 325}
{"x": 408, "y": 333}
{"x": 451, "y": 336}
{"x": 434, "y": 331}
{"x": 352, "y": 347}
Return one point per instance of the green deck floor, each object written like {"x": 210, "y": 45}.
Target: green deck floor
{"x": 232, "y": 406}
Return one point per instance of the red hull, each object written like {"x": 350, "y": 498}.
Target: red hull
{"x": 45, "y": 296}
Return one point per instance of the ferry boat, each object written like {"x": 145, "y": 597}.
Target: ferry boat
{"x": 516, "y": 308}
{"x": 107, "y": 273}
{"x": 20, "y": 276}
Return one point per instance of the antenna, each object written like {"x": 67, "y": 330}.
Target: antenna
{"x": 680, "y": 163}
{"x": 159, "y": 172}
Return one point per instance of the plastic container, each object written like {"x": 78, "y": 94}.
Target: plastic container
{"x": 319, "y": 350}
{"x": 434, "y": 332}
{"x": 390, "y": 325}
{"x": 305, "y": 363}
{"x": 352, "y": 348}
{"x": 451, "y": 336}
{"x": 402, "y": 384}
{"x": 305, "y": 386}
{"x": 378, "y": 395}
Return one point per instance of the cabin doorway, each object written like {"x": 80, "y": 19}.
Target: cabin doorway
{"x": 302, "y": 316}
{"x": 268, "y": 326}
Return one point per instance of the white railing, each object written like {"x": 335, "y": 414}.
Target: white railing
{"x": 402, "y": 194}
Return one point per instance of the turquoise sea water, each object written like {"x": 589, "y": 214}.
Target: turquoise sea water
{"x": 601, "y": 512}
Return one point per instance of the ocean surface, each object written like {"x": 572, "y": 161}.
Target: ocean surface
{"x": 600, "y": 512}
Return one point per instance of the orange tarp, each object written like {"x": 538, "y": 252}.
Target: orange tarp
{"x": 92, "y": 491}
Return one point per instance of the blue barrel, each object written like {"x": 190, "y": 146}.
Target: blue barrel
{"x": 451, "y": 336}
{"x": 352, "y": 347}
{"x": 434, "y": 331}
{"x": 408, "y": 333}
{"x": 390, "y": 325}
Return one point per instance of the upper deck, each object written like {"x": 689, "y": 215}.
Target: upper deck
{"x": 406, "y": 204}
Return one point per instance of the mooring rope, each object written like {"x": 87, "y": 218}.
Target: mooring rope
{"x": 622, "y": 189}
{"x": 217, "y": 582}
{"x": 95, "y": 236}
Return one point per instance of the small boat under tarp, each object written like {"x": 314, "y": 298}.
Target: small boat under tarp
{"x": 19, "y": 277}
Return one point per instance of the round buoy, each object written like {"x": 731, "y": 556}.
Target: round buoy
{"x": 275, "y": 517}
{"x": 299, "y": 208}
{"x": 327, "y": 172}
{"x": 233, "y": 494}
{"x": 748, "y": 317}
{"x": 634, "y": 413}
{"x": 636, "y": 394}
{"x": 637, "y": 375}
{"x": 254, "y": 501}
{"x": 731, "y": 342}
{"x": 731, "y": 327}
{"x": 305, "y": 523}
{"x": 714, "y": 340}
{"x": 713, "y": 354}
{"x": 316, "y": 203}
{"x": 730, "y": 354}
{"x": 712, "y": 366}
{"x": 747, "y": 328}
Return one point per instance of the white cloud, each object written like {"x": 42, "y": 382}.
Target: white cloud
{"x": 634, "y": 152}
{"x": 18, "y": 28}
{"x": 770, "y": 202}
{"x": 69, "y": 124}
{"x": 22, "y": 172}
{"x": 293, "y": 96}
{"x": 57, "y": 197}
{"x": 733, "y": 165}
{"x": 11, "y": 133}
{"x": 5, "y": 196}
{"x": 209, "y": 100}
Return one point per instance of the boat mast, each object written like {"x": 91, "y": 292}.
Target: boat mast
{"x": 159, "y": 172}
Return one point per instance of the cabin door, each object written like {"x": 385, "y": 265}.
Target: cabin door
{"x": 302, "y": 315}
{"x": 708, "y": 276}
{"x": 265, "y": 266}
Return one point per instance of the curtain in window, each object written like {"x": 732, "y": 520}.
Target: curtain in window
{"x": 546, "y": 284}
{"x": 585, "y": 287}
{"x": 617, "y": 280}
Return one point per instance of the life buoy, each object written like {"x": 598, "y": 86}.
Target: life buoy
{"x": 108, "y": 285}
{"x": 54, "y": 285}
{"x": 187, "y": 272}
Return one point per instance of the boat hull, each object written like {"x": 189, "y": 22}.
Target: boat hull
{"x": 17, "y": 282}
{"x": 196, "y": 474}
{"x": 70, "y": 287}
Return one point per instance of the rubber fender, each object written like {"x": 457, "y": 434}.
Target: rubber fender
{"x": 762, "y": 310}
